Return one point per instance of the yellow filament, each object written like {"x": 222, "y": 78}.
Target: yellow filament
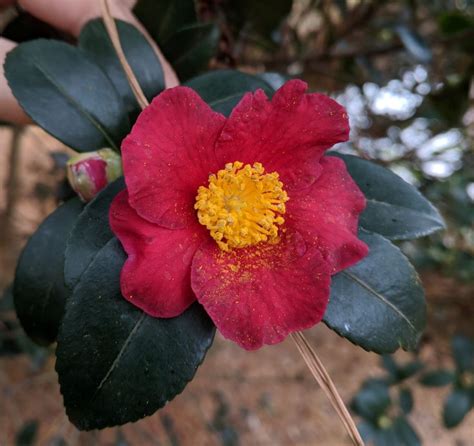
{"x": 242, "y": 205}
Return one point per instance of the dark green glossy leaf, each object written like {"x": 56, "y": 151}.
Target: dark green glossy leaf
{"x": 142, "y": 58}
{"x": 395, "y": 209}
{"x": 379, "y": 303}
{"x": 463, "y": 353}
{"x": 90, "y": 233}
{"x": 371, "y": 401}
{"x": 406, "y": 400}
{"x": 163, "y": 17}
{"x": 223, "y": 89}
{"x": 456, "y": 406}
{"x": 115, "y": 363}
{"x": 191, "y": 48}
{"x": 67, "y": 95}
{"x": 437, "y": 378}
{"x": 39, "y": 291}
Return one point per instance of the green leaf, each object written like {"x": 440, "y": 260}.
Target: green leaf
{"x": 398, "y": 432}
{"x": 437, "y": 378}
{"x": 223, "y": 89}
{"x": 95, "y": 41}
{"x": 406, "y": 400}
{"x": 398, "y": 373}
{"x": 407, "y": 370}
{"x": 405, "y": 433}
{"x": 90, "y": 233}
{"x": 67, "y": 95}
{"x": 463, "y": 353}
{"x": 387, "y": 437}
{"x": 115, "y": 363}
{"x": 391, "y": 366}
{"x": 395, "y": 209}
{"x": 162, "y": 18}
{"x": 191, "y": 48}
{"x": 371, "y": 401}
{"x": 456, "y": 406}
{"x": 39, "y": 291}
{"x": 379, "y": 303}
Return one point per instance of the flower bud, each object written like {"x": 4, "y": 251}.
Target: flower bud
{"x": 88, "y": 173}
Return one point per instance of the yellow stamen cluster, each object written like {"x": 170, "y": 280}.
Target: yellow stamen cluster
{"x": 242, "y": 205}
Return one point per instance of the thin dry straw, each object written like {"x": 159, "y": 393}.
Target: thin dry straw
{"x": 111, "y": 28}
{"x": 322, "y": 377}
{"x": 312, "y": 361}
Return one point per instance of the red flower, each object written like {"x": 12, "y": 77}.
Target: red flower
{"x": 244, "y": 214}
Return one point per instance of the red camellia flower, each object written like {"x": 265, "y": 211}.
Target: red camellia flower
{"x": 243, "y": 214}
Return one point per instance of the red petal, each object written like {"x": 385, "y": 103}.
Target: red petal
{"x": 258, "y": 295}
{"x": 156, "y": 275}
{"x": 169, "y": 154}
{"x": 327, "y": 215}
{"x": 288, "y": 135}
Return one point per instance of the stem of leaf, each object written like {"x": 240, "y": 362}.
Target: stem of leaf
{"x": 322, "y": 377}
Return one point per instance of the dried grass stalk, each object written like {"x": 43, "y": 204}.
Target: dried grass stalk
{"x": 324, "y": 380}
{"x": 111, "y": 28}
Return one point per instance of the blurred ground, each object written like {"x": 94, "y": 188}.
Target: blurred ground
{"x": 237, "y": 398}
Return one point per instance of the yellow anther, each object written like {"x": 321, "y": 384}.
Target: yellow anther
{"x": 242, "y": 205}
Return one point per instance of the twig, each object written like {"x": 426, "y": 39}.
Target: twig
{"x": 324, "y": 380}
{"x": 111, "y": 28}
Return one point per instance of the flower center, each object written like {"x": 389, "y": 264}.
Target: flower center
{"x": 242, "y": 205}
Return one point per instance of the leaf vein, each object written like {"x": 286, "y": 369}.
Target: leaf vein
{"x": 379, "y": 296}
{"x": 433, "y": 218}
{"x": 84, "y": 112}
{"x": 135, "y": 328}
